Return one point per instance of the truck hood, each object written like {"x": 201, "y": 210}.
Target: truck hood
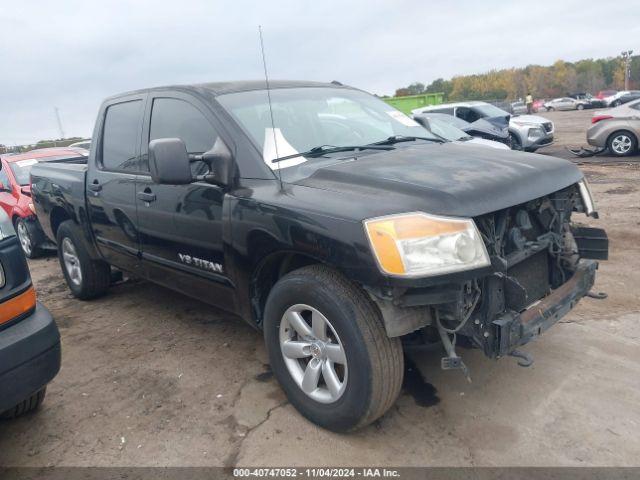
{"x": 442, "y": 179}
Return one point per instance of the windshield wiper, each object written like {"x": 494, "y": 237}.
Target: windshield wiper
{"x": 322, "y": 149}
{"x": 406, "y": 138}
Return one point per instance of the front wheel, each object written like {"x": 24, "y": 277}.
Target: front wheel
{"x": 329, "y": 350}
{"x": 515, "y": 142}
{"x": 580, "y": 107}
{"x": 27, "y": 239}
{"x": 86, "y": 278}
{"x": 28, "y": 405}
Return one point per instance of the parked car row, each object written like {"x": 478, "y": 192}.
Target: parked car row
{"x": 333, "y": 223}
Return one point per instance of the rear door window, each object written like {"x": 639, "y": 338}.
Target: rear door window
{"x": 120, "y": 136}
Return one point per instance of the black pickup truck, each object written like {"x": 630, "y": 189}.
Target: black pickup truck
{"x": 330, "y": 221}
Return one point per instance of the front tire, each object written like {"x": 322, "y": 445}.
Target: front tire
{"x": 26, "y": 238}
{"x": 86, "y": 278}
{"x": 516, "y": 144}
{"x": 580, "y": 107}
{"x": 329, "y": 350}
{"x": 29, "y": 405}
{"x": 622, "y": 143}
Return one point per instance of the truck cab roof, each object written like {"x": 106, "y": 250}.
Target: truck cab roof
{"x": 222, "y": 88}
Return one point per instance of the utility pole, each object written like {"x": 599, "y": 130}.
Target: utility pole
{"x": 57, "y": 112}
{"x": 626, "y": 58}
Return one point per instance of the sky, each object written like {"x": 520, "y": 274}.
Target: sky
{"x": 72, "y": 54}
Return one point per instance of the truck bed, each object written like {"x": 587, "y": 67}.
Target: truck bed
{"x": 58, "y": 185}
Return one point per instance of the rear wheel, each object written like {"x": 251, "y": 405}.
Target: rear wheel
{"x": 26, "y": 238}
{"x": 26, "y": 406}
{"x": 622, "y": 143}
{"x": 86, "y": 278}
{"x": 329, "y": 350}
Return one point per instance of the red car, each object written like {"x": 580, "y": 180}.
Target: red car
{"x": 538, "y": 105}
{"x": 15, "y": 193}
{"x": 605, "y": 93}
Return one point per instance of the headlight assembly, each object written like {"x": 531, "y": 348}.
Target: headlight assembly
{"x": 535, "y": 133}
{"x": 587, "y": 199}
{"x": 422, "y": 245}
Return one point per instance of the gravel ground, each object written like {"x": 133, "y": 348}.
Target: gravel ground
{"x": 152, "y": 378}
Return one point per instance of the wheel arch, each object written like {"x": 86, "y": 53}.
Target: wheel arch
{"x": 57, "y": 216}
{"x": 268, "y": 271}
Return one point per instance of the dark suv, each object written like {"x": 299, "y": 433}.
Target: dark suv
{"x": 29, "y": 338}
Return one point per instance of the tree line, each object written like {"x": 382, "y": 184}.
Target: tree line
{"x": 551, "y": 81}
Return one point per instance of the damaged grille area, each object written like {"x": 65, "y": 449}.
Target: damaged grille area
{"x": 532, "y": 252}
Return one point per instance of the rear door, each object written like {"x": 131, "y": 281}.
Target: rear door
{"x": 181, "y": 227}
{"x": 111, "y": 181}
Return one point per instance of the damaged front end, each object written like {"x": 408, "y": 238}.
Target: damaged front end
{"x": 541, "y": 265}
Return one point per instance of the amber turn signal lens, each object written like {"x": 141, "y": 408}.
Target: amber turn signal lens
{"x": 18, "y": 305}
{"x": 419, "y": 244}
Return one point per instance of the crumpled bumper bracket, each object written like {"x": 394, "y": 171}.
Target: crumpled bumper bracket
{"x": 513, "y": 330}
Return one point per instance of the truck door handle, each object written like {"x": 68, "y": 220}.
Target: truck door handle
{"x": 95, "y": 186}
{"x": 147, "y": 196}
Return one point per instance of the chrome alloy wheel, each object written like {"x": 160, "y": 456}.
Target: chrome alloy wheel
{"x": 313, "y": 353}
{"x": 621, "y": 144}
{"x": 71, "y": 261}
{"x": 25, "y": 239}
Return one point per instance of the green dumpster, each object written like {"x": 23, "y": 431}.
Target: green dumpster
{"x": 411, "y": 102}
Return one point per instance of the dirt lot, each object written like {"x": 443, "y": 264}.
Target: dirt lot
{"x": 152, "y": 378}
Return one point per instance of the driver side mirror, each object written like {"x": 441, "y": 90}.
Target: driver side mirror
{"x": 169, "y": 162}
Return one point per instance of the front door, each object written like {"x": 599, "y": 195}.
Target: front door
{"x": 181, "y": 226}
{"x": 111, "y": 182}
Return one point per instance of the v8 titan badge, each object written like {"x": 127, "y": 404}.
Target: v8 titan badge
{"x": 200, "y": 263}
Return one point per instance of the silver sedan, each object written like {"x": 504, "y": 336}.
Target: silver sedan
{"x": 617, "y": 129}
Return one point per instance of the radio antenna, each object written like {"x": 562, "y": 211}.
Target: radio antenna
{"x": 273, "y": 123}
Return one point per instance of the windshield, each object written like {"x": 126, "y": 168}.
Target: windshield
{"x": 446, "y": 130}
{"x": 21, "y": 170}
{"x": 304, "y": 118}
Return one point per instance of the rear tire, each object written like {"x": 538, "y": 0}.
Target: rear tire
{"x": 26, "y": 238}
{"x": 26, "y": 406}
{"x": 371, "y": 365}
{"x": 622, "y": 143}
{"x": 86, "y": 278}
